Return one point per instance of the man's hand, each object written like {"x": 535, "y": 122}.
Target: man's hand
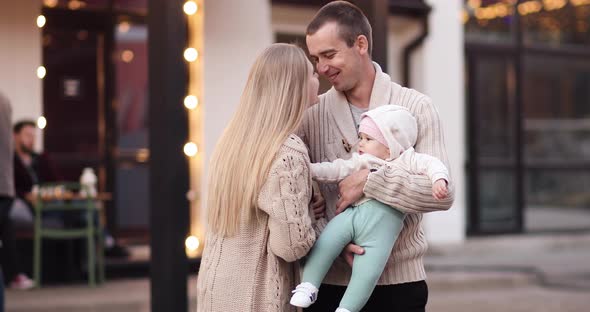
{"x": 349, "y": 251}
{"x": 318, "y": 205}
{"x": 351, "y": 189}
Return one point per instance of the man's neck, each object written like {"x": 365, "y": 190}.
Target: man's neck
{"x": 360, "y": 95}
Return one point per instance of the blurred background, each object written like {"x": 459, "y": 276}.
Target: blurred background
{"x": 511, "y": 81}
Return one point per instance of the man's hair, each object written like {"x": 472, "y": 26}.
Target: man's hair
{"x": 350, "y": 19}
{"x": 21, "y": 124}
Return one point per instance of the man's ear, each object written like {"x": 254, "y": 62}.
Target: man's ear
{"x": 362, "y": 44}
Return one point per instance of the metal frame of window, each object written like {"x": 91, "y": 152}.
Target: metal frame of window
{"x": 517, "y": 51}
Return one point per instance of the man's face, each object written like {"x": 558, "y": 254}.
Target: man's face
{"x": 333, "y": 58}
{"x": 25, "y": 139}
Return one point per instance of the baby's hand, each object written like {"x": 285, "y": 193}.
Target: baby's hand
{"x": 439, "y": 189}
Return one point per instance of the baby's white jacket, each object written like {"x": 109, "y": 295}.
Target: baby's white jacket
{"x": 416, "y": 163}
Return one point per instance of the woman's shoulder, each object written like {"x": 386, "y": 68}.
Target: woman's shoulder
{"x": 293, "y": 143}
{"x": 291, "y": 155}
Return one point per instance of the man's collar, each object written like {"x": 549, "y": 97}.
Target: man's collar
{"x": 380, "y": 95}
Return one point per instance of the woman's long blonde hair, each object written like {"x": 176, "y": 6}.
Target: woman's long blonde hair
{"x": 271, "y": 108}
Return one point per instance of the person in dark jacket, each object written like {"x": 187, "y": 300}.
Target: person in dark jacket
{"x": 8, "y": 257}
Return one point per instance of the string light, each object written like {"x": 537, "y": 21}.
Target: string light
{"x": 190, "y": 7}
{"x": 76, "y": 4}
{"x": 191, "y": 54}
{"x": 41, "y": 122}
{"x": 529, "y": 7}
{"x": 191, "y": 102}
{"x": 551, "y": 5}
{"x": 41, "y": 72}
{"x": 192, "y": 243}
{"x": 124, "y": 27}
{"x": 50, "y": 3}
{"x": 193, "y": 10}
{"x": 474, "y": 4}
{"x": 127, "y": 56}
{"x": 41, "y": 21}
{"x": 190, "y": 149}
{"x": 493, "y": 11}
{"x": 580, "y": 2}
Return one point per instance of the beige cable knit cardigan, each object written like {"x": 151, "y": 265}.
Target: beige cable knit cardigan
{"x": 328, "y": 127}
{"x": 256, "y": 269}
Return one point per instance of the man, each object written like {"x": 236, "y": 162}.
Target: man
{"x": 8, "y": 255}
{"x": 31, "y": 168}
{"x": 339, "y": 42}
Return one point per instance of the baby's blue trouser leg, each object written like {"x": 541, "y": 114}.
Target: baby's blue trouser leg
{"x": 337, "y": 234}
{"x": 376, "y": 234}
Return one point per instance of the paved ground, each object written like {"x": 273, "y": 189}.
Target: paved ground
{"x": 542, "y": 273}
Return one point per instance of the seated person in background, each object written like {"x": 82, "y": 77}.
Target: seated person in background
{"x": 31, "y": 168}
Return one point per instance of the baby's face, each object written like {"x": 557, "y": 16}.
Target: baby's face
{"x": 371, "y": 146}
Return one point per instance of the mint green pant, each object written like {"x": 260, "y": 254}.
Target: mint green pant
{"x": 371, "y": 225}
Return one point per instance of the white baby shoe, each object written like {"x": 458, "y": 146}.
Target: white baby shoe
{"x": 304, "y": 295}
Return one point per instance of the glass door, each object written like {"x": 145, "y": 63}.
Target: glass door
{"x": 130, "y": 153}
{"x": 492, "y": 167}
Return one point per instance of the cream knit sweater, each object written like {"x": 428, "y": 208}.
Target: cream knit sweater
{"x": 328, "y": 127}
{"x": 256, "y": 269}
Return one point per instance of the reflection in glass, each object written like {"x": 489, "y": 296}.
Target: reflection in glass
{"x": 557, "y": 23}
{"x": 131, "y": 91}
{"x": 552, "y": 22}
{"x": 556, "y": 95}
{"x": 497, "y": 200}
{"x": 132, "y": 6}
{"x": 558, "y": 188}
{"x": 489, "y": 21}
{"x": 132, "y": 172}
{"x": 495, "y": 126}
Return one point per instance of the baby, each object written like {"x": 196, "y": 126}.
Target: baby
{"x": 388, "y": 134}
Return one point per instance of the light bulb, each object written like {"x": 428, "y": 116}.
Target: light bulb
{"x": 41, "y": 122}
{"x": 41, "y": 72}
{"x": 191, "y": 102}
{"x": 192, "y": 243}
{"x": 190, "y": 7}
{"x": 191, "y": 54}
{"x": 190, "y": 149}
{"x": 41, "y": 21}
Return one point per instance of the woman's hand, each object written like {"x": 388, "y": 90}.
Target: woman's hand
{"x": 318, "y": 205}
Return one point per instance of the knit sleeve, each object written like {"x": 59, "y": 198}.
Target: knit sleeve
{"x": 396, "y": 185}
{"x": 332, "y": 172}
{"x": 425, "y": 164}
{"x": 285, "y": 198}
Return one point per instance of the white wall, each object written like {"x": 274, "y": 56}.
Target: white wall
{"x": 288, "y": 19}
{"x": 442, "y": 79}
{"x": 235, "y": 33}
{"x": 401, "y": 31}
{"x": 20, "y": 55}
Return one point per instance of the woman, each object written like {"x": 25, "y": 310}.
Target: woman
{"x": 259, "y": 221}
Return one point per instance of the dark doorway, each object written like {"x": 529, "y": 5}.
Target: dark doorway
{"x": 95, "y": 100}
{"x": 528, "y": 85}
